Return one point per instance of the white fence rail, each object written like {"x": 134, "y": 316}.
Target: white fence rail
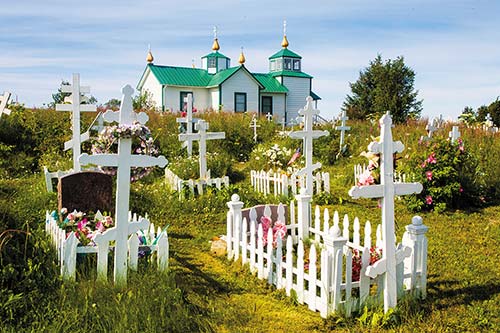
{"x": 270, "y": 182}
{"x": 67, "y": 245}
{"x": 195, "y": 186}
{"x": 321, "y": 274}
{"x": 359, "y": 169}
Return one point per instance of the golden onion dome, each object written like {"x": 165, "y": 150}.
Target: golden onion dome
{"x": 284, "y": 42}
{"x": 150, "y": 57}
{"x": 215, "y": 45}
{"x": 241, "y": 59}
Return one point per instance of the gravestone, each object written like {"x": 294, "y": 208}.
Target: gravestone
{"x": 454, "y": 134}
{"x": 308, "y": 135}
{"x": 343, "y": 128}
{"x": 86, "y": 192}
{"x": 187, "y": 123}
{"x": 387, "y": 190}
{"x": 253, "y": 124}
{"x": 4, "y": 100}
{"x": 77, "y": 98}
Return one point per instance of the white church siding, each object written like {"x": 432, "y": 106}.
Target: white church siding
{"x": 152, "y": 86}
{"x": 240, "y": 82}
{"x": 173, "y": 97}
{"x": 299, "y": 88}
{"x": 214, "y": 98}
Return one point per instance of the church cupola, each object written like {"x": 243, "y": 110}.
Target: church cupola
{"x": 215, "y": 62}
{"x": 285, "y": 60}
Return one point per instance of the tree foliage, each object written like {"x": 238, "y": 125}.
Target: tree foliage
{"x": 471, "y": 116}
{"x": 59, "y": 96}
{"x": 381, "y": 87}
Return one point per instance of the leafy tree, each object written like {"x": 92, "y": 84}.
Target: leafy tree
{"x": 143, "y": 101}
{"x": 381, "y": 87}
{"x": 493, "y": 109}
{"x": 113, "y": 104}
{"x": 468, "y": 116}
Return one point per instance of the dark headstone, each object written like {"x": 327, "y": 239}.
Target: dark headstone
{"x": 86, "y": 192}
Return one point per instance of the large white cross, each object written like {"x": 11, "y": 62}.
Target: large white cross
{"x": 308, "y": 135}
{"x": 387, "y": 190}
{"x": 124, "y": 160}
{"x": 4, "y": 99}
{"x": 343, "y": 128}
{"x": 76, "y": 107}
{"x": 202, "y": 136}
{"x": 454, "y": 134}
{"x": 253, "y": 124}
{"x": 188, "y": 120}
{"x": 431, "y": 127}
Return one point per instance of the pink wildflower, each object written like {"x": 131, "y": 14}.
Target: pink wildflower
{"x": 428, "y": 174}
{"x": 366, "y": 178}
{"x": 428, "y": 200}
{"x": 431, "y": 159}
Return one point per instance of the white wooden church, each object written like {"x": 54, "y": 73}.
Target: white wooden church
{"x": 218, "y": 86}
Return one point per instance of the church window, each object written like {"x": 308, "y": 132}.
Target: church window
{"x": 240, "y": 102}
{"x": 288, "y": 64}
{"x": 279, "y": 64}
{"x": 212, "y": 62}
{"x": 296, "y": 65}
{"x": 273, "y": 65}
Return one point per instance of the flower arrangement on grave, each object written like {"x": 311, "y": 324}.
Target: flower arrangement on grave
{"x": 450, "y": 175}
{"x": 375, "y": 255}
{"x": 276, "y": 158}
{"x": 278, "y": 228}
{"x": 85, "y": 226}
{"x": 142, "y": 143}
{"x": 371, "y": 174}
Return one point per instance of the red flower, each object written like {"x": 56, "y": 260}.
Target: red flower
{"x": 428, "y": 200}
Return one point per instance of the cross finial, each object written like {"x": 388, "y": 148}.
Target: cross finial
{"x": 215, "y": 32}
{"x": 284, "y": 27}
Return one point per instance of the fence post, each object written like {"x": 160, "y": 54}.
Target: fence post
{"x": 234, "y": 206}
{"x": 334, "y": 244}
{"x": 416, "y": 264}
{"x": 304, "y": 213}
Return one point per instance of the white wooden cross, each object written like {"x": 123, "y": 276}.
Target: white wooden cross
{"x": 76, "y": 107}
{"x": 283, "y": 123}
{"x": 188, "y": 120}
{"x": 124, "y": 160}
{"x": 343, "y": 128}
{"x": 431, "y": 127}
{"x": 253, "y": 124}
{"x": 269, "y": 117}
{"x": 98, "y": 123}
{"x": 387, "y": 190}
{"x": 308, "y": 135}
{"x": 202, "y": 136}
{"x": 454, "y": 134}
{"x": 4, "y": 99}
{"x": 488, "y": 122}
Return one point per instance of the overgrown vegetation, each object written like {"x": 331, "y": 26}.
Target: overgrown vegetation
{"x": 205, "y": 293}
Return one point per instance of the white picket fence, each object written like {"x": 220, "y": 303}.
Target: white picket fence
{"x": 195, "y": 186}
{"x": 67, "y": 246}
{"x": 49, "y": 176}
{"x": 276, "y": 183}
{"x": 399, "y": 177}
{"x": 323, "y": 278}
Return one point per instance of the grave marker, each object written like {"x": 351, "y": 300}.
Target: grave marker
{"x": 454, "y": 134}
{"x": 269, "y": 116}
{"x": 253, "y": 124}
{"x": 124, "y": 160}
{"x": 343, "y": 128}
{"x": 86, "y": 192}
{"x": 188, "y": 120}
{"x": 387, "y": 190}
{"x": 76, "y": 107}
{"x": 308, "y": 135}
{"x": 4, "y": 100}
{"x": 202, "y": 136}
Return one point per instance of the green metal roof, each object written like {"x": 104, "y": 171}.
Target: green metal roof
{"x": 314, "y": 96}
{"x": 215, "y": 54}
{"x": 181, "y": 76}
{"x": 271, "y": 85}
{"x": 285, "y": 53}
{"x": 222, "y": 76}
{"x": 290, "y": 73}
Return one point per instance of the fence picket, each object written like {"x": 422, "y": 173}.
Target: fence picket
{"x": 300, "y": 272}
{"x": 289, "y": 265}
{"x": 312, "y": 278}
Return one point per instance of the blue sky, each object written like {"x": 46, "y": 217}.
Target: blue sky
{"x": 453, "y": 46}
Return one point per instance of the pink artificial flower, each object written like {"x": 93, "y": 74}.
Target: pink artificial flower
{"x": 70, "y": 217}
{"x": 100, "y": 226}
{"x": 279, "y": 230}
{"x": 266, "y": 222}
{"x": 423, "y": 165}
{"x": 431, "y": 159}
{"x": 108, "y": 221}
{"x": 428, "y": 174}
{"x": 428, "y": 200}
{"x": 461, "y": 189}
{"x": 461, "y": 148}
{"x": 366, "y": 178}
{"x": 81, "y": 225}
